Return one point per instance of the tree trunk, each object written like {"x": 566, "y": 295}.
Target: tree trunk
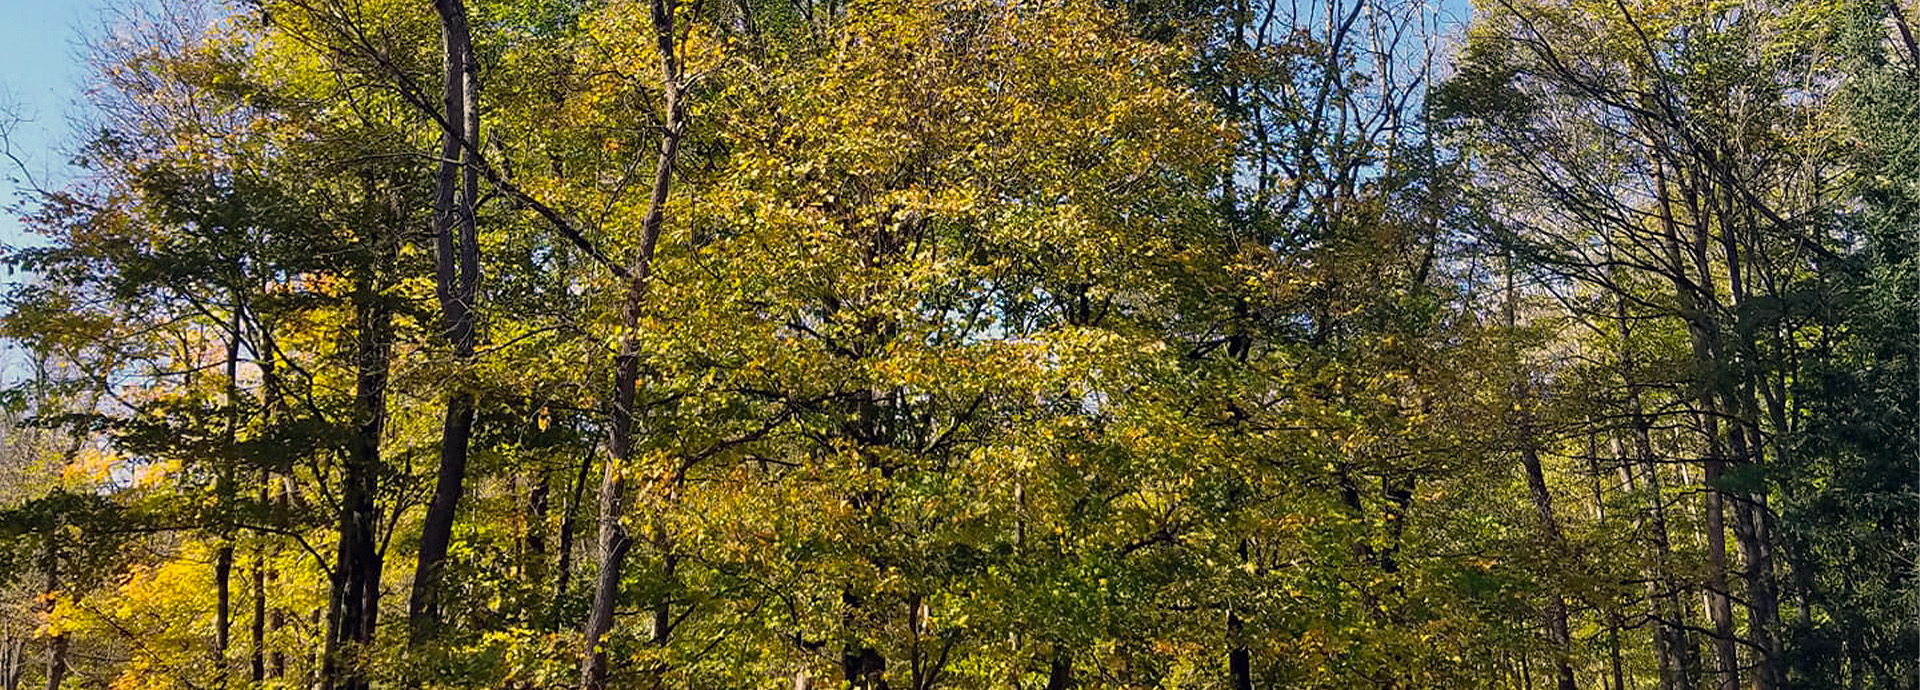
{"x": 1558, "y": 634}
{"x": 1669, "y": 632}
{"x": 614, "y": 541}
{"x": 1399, "y": 507}
{"x": 226, "y": 489}
{"x": 1719, "y": 600}
{"x": 1060, "y": 669}
{"x": 257, "y": 624}
{"x": 225, "y": 492}
{"x": 13, "y": 661}
{"x": 563, "y": 567}
{"x": 612, "y": 553}
{"x": 862, "y": 666}
{"x": 456, "y": 284}
{"x": 1557, "y": 631}
{"x": 269, "y": 414}
{"x": 353, "y": 606}
{"x": 223, "y": 610}
{"x": 1740, "y": 401}
{"x": 1239, "y": 660}
{"x": 536, "y": 528}
{"x": 1693, "y": 299}
{"x": 56, "y": 642}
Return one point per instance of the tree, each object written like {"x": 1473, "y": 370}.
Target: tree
{"x": 941, "y": 345}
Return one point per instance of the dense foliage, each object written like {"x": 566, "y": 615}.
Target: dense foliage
{"x": 974, "y": 343}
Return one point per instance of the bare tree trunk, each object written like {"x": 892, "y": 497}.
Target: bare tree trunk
{"x": 1239, "y": 660}
{"x": 861, "y": 666}
{"x": 613, "y": 541}
{"x": 1688, "y": 291}
{"x": 1615, "y": 621}
{"x": 612, "y": 553}
{"x": 57, "y": 641}
{"x": 1740, "y": 401}
{"x": 456, "y": 284}
{"x": 225, "y": 490}
{"x": 223, "y": 610}
{"x": 1719, "y": 601}
{"x": 1060, "y": 669}
{"x": 1614, "y": 661}
{"x": 564, "y": 565}
{"x": 1669, "y": 633}
{"x": 1762, "y": 606}
{"x": 269, "y": 414}
{"x": 353, "y": 606}
{"x": 257, "y": 624}
{"x": 536, "y": 529}
{"x": 13, "y": 661}
{"x": 1399, "y": 507}
{"x": 1558, "y": 634}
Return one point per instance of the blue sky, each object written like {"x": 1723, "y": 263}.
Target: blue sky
{"x": 40, "y": 75}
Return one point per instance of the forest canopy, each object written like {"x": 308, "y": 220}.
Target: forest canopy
{"x": 938, "y": 344}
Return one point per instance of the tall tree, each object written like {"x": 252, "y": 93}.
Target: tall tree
{"x": 613, "y": 541}
{"x": 456, "y": 284}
